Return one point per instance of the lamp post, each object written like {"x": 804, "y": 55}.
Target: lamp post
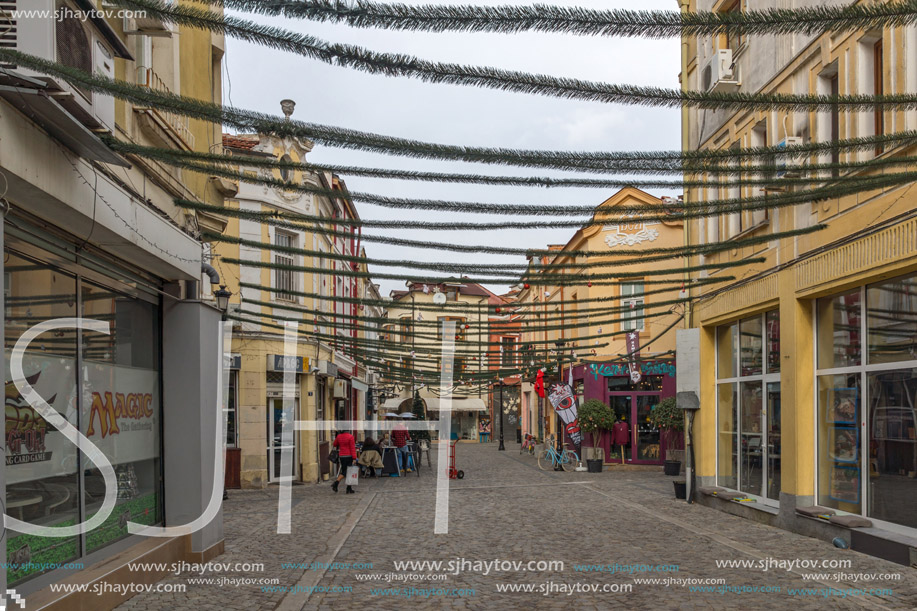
{"x": 690, "y": 403}
{"x": 222, "y": 298}
{"x": 500, "y": 407}
{"x": 560, "y": 378}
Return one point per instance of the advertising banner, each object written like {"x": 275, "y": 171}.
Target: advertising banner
{"x": 565, "y": 404}
{"x": 120, "y": 414}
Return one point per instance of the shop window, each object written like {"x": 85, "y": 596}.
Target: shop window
{"x": 42, "y": 474}
{"x": 891, "y": 324}
{"x": 839, "y": 331}
{"x": 632, "y": 313}
{"x": 113, "y": 398}
{"x": 867, "y": 415}
{"x": 748, "y": 406}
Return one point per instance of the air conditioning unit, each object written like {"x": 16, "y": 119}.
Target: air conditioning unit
{"x": 340, "y": 389}
{"x": 788, "y": 167}
{"x": 719, "y": 73}
{"x": 74, "y": 42}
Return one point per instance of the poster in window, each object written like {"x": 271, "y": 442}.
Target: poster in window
{"x": 844, "y": 444}
{"x": 845, "y": 483}
{"x": 843, "y": 408}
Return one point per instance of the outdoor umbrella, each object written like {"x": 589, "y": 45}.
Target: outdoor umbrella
{"x": 407, "y": 415}
{"x": 391, "y": 415}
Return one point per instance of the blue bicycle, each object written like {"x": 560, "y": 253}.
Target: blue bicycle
{"x": 567, "y": 459}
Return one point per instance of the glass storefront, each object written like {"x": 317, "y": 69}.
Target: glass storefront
{"x": 106, "y": 385}
{"x": 748, "y": 406}
{"x": 867, "y": 421}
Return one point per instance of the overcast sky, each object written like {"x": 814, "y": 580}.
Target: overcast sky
{"x": 258, "y": 78}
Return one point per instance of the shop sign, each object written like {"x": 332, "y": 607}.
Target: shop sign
{"x": 633, "y": 351}
{"x": 121, "y": 407}
{"x": 280, "y": 362}
{"x": 650, "y": 368}
{"x": 564, "y": 402}
{"x": 235, "y": 362}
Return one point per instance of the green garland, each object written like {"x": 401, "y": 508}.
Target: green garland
{"x": 369, "y": 142}
{"x": 517, "y": 327}
{"x": 180, "y": 158}
{"x": 642, "y": 163}
{"x": 583, "y": 21}
{"x": 661, "y": 254}
{"x": 390, "y": 64}
{"x": 581, "y": 280}
{"x": 465, "y": 308}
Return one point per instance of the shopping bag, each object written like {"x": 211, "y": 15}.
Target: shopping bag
{"x": 352, "y": 476}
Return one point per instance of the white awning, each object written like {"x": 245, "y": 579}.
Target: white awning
{"x": 459, "y": 404}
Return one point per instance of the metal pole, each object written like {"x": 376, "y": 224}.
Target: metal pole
{"x": 500, "y": 407}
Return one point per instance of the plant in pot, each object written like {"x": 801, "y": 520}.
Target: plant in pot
{"x": 668, "y": 418}
{"x": 595, "y": 418}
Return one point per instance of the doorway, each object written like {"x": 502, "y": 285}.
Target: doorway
{"x": 277, "y": 417}
{"x": 643, "y": 445}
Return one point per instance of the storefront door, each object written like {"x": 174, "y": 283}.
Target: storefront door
{"x": 277, "y": 417}
{"x": 644, "y": 440}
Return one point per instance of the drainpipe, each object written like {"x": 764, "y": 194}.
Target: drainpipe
{"x": 684, "y": 8}
{"x": 211, "y": 272}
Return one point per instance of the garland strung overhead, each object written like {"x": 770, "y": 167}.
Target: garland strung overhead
{"x": 583, "y": 21}
{"x": 391, "y": 64}
{"x": 581, "y": 280}
{"x": 369, "y": 142}
{"x": 180, "y": 158}
{"x": 598, "y": 213}
{"x": 451, "y": 308}
{"x": 708, "y": 162}
{"x": 610, "y": 257}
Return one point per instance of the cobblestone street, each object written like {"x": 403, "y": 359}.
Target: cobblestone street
{"x": 507, "y": 509}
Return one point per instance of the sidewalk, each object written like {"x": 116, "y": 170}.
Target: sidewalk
{"x": 507, "y": 509}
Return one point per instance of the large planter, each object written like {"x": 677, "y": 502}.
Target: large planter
{"x": 594, "y": 465}
{"x": 681, "y": 489}
{"x": 672, "y": 467}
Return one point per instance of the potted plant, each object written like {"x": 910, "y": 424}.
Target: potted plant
{"x": 668, "y": 418}
{"x": 595, "y": 418}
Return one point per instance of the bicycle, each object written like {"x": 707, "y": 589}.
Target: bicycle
{"x": 528, "y": 445}
{"x": 567, "y": 459}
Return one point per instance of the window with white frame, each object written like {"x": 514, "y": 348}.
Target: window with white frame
{"x": 632, "y": 310}
{"x": 748, "y": 405}
{"x": 284, "y": 279}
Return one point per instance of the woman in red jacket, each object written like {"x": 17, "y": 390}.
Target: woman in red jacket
{"x": 347, "y": 452}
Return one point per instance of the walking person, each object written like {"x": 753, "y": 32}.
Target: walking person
{"x": 401, "y": 437}
{"x": 347, "y": 452}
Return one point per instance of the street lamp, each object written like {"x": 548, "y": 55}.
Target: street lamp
{"x": 222, "y": 296}
{"x": 502, "y": 447}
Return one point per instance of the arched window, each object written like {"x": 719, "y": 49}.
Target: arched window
{"x": 286, "y": 173}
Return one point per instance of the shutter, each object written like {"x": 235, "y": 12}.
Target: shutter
{"x": 8, "y": 31}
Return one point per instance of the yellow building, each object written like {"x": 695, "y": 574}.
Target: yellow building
{"x": 806, "y": 378}
{"x": 585, "y": 323}
{"x": 329, "y": 384}
{"x": 416, "y": 316}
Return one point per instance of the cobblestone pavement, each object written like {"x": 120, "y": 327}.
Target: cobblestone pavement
{"x": 507, "y": 509}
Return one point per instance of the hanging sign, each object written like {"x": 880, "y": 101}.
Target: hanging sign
{"x": 633, "y": 351}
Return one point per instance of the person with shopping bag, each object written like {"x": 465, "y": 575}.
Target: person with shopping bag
{"x": 347, "y": 451}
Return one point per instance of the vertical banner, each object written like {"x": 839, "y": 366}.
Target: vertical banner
{"x": 565, "y": 404}
{"x": 633, "y": 356}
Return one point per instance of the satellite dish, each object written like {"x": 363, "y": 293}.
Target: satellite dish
{"x": 439, "y": 298}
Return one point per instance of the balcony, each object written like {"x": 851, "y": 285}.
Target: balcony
{"x": 167, "y": 128}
